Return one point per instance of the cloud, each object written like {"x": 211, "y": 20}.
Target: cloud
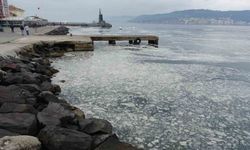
{"x": 79, "y": 10}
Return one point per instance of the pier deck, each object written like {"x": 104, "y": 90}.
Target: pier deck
{"x": 78, "y": 43}
{"x": 133, "y": 39}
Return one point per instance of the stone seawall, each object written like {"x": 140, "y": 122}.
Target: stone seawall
{"x": 30, "y": 106}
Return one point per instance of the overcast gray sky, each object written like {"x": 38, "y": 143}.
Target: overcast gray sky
{"x": 87, "y": 10}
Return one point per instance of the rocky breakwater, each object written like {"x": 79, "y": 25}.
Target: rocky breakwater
{"x": 33, "y": 117}
{"x": 62, "y": 30}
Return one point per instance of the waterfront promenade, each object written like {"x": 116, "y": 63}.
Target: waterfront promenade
{"x": 10, "y": 43}
{"x": 8, "y": 36}
{"x": 13, "y": 42}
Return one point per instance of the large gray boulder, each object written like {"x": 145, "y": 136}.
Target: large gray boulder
{"x": 48, "y": 86}
{"x": 46, "y": 70}
{"x": 47, "y": 97}
{"x": 95, "y": 126}
{"x": 54, "y": 113}
{"x": 41, "y": 61}
{"x": 22, "y": 123}
{"x": 4, "y": 133}
{"x": 21, "y": 78}
{"x": 113, "y": 143}
{"x": 32, "y": 88}
{"x": 55, "y": 138}
{"x": 2, "y": 75}
{"x": 20, "y": 143}
{"x": 10, "y": 66}
{"x": 99, "y": 139}
{"x": 14, "y": 94}
{"x": 17, "y": 108}
{"x": 62, "y": 30}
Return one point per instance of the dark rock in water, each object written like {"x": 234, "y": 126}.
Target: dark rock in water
{"x": 62, "y": 30}
{"x": 54, "y": 71}
{"x": 56, "y": 89}
{"x": 4, "y": 133}
{"x": 17, "y": 108}
{"x": 32, "y": 88}
{"x": 25, "y": 60}
{"x": 20, "y": 143}
{"x": 43, "y": 70}
{"x": 2, "y": 75}
{"x": 70, "y": 123}
{"x": 99, "y": 139}
{"x": 13, "y": 67}
{"x": 55, "y": 138}
{"x": 113, "y": 143}
{"x": 42, "y": 61}
{"x": 54, "y": 113}
{"x": 14, "y": 94}
{"x": 31, "y": 101}
{"x": 44, "y": 78}
{"x": 35, "y": 55}
{"x": 62, "y": 81}
{"x": 47, "y": 96}
{"x": 47, "y": 86}
{"x": 78, "y": 113}
{"x": 40, "y": 47}
{"x": 21, "y": 78}
{"x": 95, "y": 126}
{"x": 22, "y": 123}
{"x": 40, "y": 106}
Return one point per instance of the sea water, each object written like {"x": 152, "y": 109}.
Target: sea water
{"x": 193, "y": 92}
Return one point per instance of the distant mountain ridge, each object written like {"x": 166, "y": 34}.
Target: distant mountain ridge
{"x": 198, "y": 16}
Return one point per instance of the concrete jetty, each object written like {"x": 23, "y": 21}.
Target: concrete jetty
{"x": 76, "y": 43}
{"x": 132, "y": 39}
{"x": 56, "y": 36}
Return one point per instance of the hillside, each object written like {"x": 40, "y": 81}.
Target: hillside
{"x": 197, "y": 17}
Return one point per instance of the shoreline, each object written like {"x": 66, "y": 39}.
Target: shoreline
{"x": 7, "y": 36}
{"x": 29, "y": 105}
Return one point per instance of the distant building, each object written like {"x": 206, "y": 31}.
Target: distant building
{"x": 32, "y": 21}
{"x": 15, "y": 11}
{"x": 4, "y": 9}
{"x": 35, "y": 21}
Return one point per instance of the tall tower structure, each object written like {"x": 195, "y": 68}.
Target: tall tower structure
{"x": 102, "y": 23}
{"x": 100, "y": 16}
{"x": 4, "y": 8}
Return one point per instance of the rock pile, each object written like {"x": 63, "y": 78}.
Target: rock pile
{"x": 29, "y": 106}
{"x": 62, "y": 30}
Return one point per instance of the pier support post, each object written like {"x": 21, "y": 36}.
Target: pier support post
{"x": 153, "y": 43}
{"x": 137, "y": 41}
{"x": 112, "y": 42}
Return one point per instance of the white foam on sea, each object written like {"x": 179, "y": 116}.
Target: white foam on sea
{"x": 156, "y": 102}
{"x": 191, "y": 93}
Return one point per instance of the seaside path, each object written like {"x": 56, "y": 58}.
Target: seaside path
{"x": 79, "y": 42}
{"x": 8, "y": 36}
